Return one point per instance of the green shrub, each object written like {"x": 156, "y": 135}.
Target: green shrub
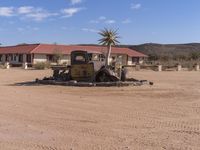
{"x": 2, "y": 66}
{"x": 48, "y": 65}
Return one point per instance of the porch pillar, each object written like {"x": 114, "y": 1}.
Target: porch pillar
{"x": 9, "y": 58}
{"x": 32, "y": 58}
{"x": 24, "y": 58}
{"x": 3, "y": 58}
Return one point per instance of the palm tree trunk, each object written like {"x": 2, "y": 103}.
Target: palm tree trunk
{"x": 108, "y": 55}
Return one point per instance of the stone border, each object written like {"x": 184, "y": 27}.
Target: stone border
{"x": 93, "y": 84}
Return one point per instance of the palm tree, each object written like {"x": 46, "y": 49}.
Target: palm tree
{"x": 109, "y": 39}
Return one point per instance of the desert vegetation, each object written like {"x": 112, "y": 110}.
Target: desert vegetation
{"x": 41, "y": 65}
{"x": 171, "y": 54}
{"x": 109, "y": 39}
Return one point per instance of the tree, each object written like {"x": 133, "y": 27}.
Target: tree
{"x": 57, "y": 54}
{"x": 109, "y": 39}
{"x": 194, "y": 55}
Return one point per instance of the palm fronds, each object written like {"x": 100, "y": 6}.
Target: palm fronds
{"x": 109, "y": 37}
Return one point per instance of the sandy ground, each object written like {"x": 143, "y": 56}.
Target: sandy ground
{"x": 163, "y": 116}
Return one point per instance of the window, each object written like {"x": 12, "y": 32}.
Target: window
{"x": 80, "y": 58}
{"x": 135, "y": 59}
{"x": 11, "y": 57}
{"x": 21, "y": 58}
{"x": 50, "y": 58}
{"x": 102, "y": 57}
{"x": 28, "y": 58}
{"x": 90, "y": 57}
{"x": 15, "y": 57}
{"x": 113, "y": 58}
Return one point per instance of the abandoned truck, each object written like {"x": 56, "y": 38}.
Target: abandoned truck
{"x": 83, "y": 70}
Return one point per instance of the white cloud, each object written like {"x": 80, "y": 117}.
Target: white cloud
{"x": 136, "y": 6}
{"x": 20, "y": 29}
{"x": 73, "y": 2}
{"x": 26, "y": 12}
{"x": 99, "y": 20}
{"x": 103, "y": 19}
{"x": 7, "y": 11}
{"x": 89, "y": 30}
{"x": 25, "y": 9}
{"x": 11, "y": 22}
{"x": 27, "y": 29}
{"x": 126, "y": 21}
{"x": 36, "y": 28}
{"x": 39, "y": 15}
{"x": 110, "y": 21}
{"x": 36, "y": 14}
{"x": 94, "y": 21}
{"x": 64, "y": 28}
{"x": 68, "y": 28}
{"x": 69, "y": 12}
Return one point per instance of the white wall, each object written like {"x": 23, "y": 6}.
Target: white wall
{"x": 124, "y": 59}
{"x": 141, "y": 60}
{"x": 39, "y": 58}
{"x": 121, "y": 57}
{"x": 129, "y": 60}
{"x": 66, "y": 59}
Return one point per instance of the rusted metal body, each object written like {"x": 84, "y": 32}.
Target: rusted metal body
{"x": 82, "y": 69}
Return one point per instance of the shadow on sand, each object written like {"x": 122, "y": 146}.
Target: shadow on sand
{"x": 28, "y": 83}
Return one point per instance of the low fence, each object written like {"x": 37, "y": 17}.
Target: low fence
{"x": 7, "y": 65}
{"x": 163, "y": 68}
{"x": 159, "y": 68}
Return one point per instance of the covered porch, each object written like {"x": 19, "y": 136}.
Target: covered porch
{"x": 16, "y": 59}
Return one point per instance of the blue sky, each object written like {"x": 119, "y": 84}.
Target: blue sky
{"x": 78, "y": 21}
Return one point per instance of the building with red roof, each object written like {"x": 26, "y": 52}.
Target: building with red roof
{"x": 33, "y": 53}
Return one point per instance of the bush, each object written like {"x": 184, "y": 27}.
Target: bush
{"x": 41, "y": 65}
{"x": 48, "y": 65}
{"x": 2, "y": 66}
{"x": 57, "y": 56}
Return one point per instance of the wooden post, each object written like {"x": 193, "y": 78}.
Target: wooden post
{"x": 159, "y": 68}
{"x": 179, "y": 68}
{"x": 25, "y": 65}
{"x": 197, "y": 67}
{"x": 7, "y": 65}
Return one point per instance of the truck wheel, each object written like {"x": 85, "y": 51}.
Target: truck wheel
{"x": 102, "y": 76}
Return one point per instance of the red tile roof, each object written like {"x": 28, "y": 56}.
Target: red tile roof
{"x": 65, "y": 49}
{"x": 18, "y": 49}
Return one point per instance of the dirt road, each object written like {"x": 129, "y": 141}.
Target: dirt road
{"x": 163, "y": 116}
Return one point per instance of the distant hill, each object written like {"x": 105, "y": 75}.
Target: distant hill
{"x": 169, "y": 50}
